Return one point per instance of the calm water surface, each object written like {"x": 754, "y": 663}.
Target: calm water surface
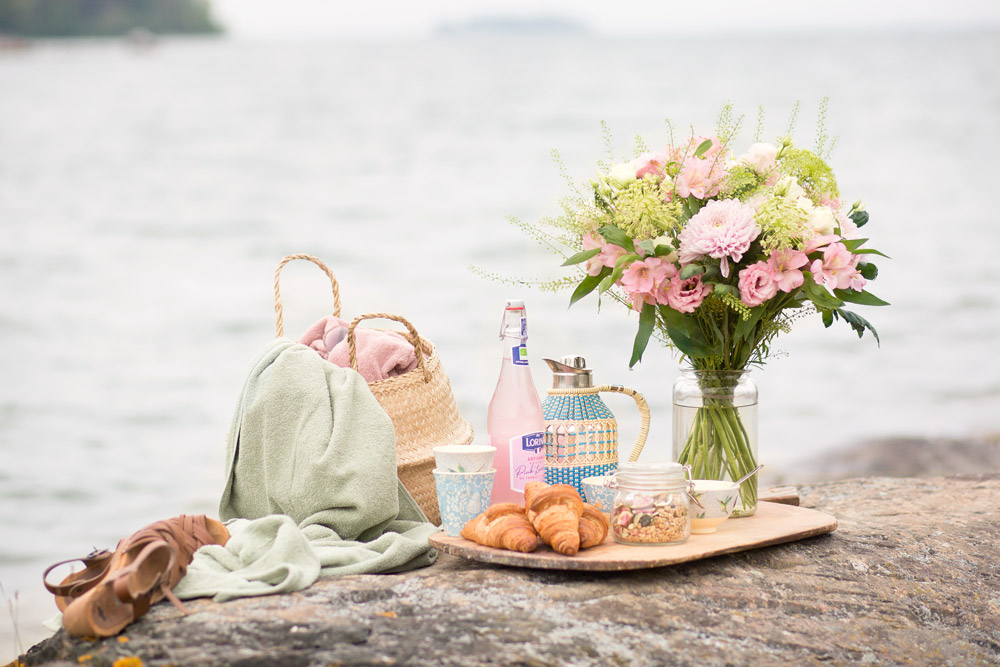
{"x": 145, "y": 198}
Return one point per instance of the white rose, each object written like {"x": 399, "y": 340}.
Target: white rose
{"x": 761, "y": 157}
{"x": 821, "y": 219}
{"x": 622, "y": 174}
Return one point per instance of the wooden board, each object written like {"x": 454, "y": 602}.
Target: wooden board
{"x": 773, "y": 523}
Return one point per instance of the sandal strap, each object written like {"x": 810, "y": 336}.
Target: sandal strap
{"x": 99, "y": 561}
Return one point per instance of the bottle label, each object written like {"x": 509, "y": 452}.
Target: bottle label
{"x": 527, "y": 460}
{"x": 524, "y": 329}
{"x": 519, "y": 355}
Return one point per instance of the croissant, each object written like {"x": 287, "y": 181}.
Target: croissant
{"x": 593, "y": 527}
{"x": 555, "y": 513}
{"x": 503, "y": 526}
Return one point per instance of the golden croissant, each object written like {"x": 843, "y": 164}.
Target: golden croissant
{"x": 593, "y": 527}
{"x": 503, "y": 526}
{"x": 555, "y": 513}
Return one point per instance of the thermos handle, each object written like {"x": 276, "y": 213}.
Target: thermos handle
{"x": 643, "y": 406}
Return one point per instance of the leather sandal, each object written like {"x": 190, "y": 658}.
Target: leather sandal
{"x": 142, "y": 571}
{"x": 76, "y": 584}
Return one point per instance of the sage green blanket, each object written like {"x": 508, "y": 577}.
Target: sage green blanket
{"x": 311, "y": 484}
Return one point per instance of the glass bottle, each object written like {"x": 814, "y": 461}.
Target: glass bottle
{"x": 514, "y": 422}
{"x": 715, "y": 429}
{"x": 651, "y": 504}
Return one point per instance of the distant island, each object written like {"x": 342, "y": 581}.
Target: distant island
{"x": 507, "y": 25}
{"x": 105, "y": 18}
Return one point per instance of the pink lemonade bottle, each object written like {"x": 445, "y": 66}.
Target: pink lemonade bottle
{"x": 515, "y": 422}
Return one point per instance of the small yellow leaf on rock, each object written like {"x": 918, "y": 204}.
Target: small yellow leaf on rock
{"x": 123, "y": 640}
{"x": 84, "y": 658}
{"x": 387, "y": 614}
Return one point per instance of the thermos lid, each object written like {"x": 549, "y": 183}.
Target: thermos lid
{"x": 570, "y": 373}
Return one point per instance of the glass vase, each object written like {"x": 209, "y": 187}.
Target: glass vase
{"x": 715, "y": 429}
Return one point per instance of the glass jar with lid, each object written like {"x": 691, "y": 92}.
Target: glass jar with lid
{"x": 651, "y": 504}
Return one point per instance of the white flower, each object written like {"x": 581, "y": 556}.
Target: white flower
{"x": 821, "y": 219}
{"x": 761, "y": 157}
{"x": 622, "y": 174}
{"x": 788, "y": 187}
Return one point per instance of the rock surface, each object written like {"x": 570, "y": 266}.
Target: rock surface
{"x": 910, "y": 576}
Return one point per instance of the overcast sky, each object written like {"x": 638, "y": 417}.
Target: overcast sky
{"x": 318, "y": 18}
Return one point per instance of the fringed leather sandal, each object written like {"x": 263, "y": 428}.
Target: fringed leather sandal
{"x": 142, "y": 571}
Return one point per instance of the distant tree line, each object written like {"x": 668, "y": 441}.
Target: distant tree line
{"x": 104, "y": 18}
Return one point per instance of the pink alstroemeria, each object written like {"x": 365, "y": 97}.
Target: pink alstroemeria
{"x": 785, "y": 265}
{"x": 837, "y": 269}
{"x": 651, "y": 163}
{"x": 818, "y": 241}
{"x": 757, "y": 284}
{"x": 643, "y": 276}
{"x": 607, "y": 257}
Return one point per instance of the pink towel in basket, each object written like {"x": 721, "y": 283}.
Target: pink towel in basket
{"x": 381, "y": 354}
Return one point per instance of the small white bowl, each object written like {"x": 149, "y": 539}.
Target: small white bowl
{"x": 597, "y": 494}
{"x": 717, "y": 499}
{"x": 464, "y": 458}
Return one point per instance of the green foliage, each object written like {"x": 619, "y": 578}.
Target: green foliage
{"x": 104, "y": 18}
{"x": 812, "y": 173}
{"x": 783, "y": 224}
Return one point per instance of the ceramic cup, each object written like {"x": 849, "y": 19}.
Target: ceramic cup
{"x": 717, "y": 499}
{"x": 462, "y": 496}
{"x": 597, "y": 494}
{"x": 464, "y": 458}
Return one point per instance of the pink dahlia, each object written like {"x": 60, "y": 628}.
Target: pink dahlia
{"x": 723, "y": 229}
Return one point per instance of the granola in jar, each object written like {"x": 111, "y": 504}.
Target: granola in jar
{"x": 651, "y": 505}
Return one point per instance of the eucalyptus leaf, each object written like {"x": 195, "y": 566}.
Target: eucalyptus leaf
{"x": 869, "y": 271}
{"x": 692, "y": 270}
{"x": 582, "y": 256}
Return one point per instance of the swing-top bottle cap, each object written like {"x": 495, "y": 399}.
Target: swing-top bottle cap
{"x": 515, "y": 304}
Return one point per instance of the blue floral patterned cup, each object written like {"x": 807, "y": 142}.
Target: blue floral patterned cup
{"x": 462, "y": 496}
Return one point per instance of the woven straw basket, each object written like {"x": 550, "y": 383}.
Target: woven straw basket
{"x": 420, "y": 403}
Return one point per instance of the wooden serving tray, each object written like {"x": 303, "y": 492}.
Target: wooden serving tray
{"x": 773, "y": 523}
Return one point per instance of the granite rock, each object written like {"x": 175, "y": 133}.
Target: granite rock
{"x": 910, "y": 576}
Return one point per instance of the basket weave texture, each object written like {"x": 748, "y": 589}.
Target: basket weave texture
{"x": 420, "y": 403}
{"x": 581, "y": 434}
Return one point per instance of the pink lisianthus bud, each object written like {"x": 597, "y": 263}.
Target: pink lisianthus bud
{"x": 837, "y": 269}
{"x": 757, "y": 284}
{"x": 785, "y": 265}
{"x": 683, "y": 295}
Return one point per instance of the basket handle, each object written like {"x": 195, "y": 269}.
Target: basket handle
{"x": 352, "y": 345}
{"x": 640, "y": 402}
{"x": 279, "y": 324}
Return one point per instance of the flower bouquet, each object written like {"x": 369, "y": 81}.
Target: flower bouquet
{"x": 718, "y": 253}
